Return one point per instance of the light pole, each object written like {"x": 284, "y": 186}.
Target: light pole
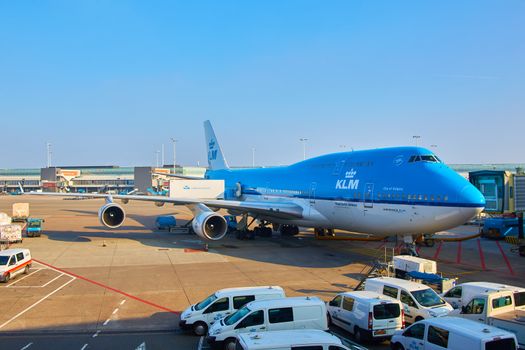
{"x": 416, "y": 138}
{"x": 253, "y": 157}
{"x": 303, "y": 140}
{"x": 162, "y": 156}
{"x": 174, "y": 141}
{"x": 49, "y": 152}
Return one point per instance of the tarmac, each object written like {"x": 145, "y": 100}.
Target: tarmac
{"x": 95, "y": 288}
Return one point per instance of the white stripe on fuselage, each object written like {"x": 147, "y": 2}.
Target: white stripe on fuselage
{"x": 374, "y": 218}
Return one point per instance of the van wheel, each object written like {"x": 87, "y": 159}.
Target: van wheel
{"x": 7, "y": 277}
{"x": 398, "y": 346}
{"x": 200, "y": 328}
{"x": 358, "y": 335}
{"x": 229, "y": 344}
{"x": 419, "y": 318}
{"x": 26, "y": 270}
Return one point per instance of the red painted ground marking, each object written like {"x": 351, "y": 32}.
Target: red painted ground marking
{"x": 418, "y": 249}
{"x": 438, "y": 250}
{"x": 505, "y": 258}
{"x": 109, "y": 288}
{"x": 458, "y": 257}
{"x": 398, "y": 248}
{"x": 481, "y": 255}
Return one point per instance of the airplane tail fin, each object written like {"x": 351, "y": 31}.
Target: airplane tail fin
{"x": 216, "y": 160}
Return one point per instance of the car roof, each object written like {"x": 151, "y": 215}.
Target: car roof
{"x": 369, "y": 295}
{"x": 244, "y": 290}
{"x": 13, "y": 251}
{"x": 409, "y": 285}
{"x": 466, "y": 326}
{"x": 285, "y": 302}
{"x": 491, "y": 286}
{"x": 295, "y": 337}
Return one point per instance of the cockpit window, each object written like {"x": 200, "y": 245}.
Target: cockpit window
{"x": 425, "y": 158}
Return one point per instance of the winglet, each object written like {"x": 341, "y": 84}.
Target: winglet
{"x": 216, "y": 160}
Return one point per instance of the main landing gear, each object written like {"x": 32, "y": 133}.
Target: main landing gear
{"x": 324, "y": 232}
{"x": 289, "y": 230}
{"x": 410, "y": 246}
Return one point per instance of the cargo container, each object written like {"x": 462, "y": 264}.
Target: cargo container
{"x": 11, "y": 233}
{"x": 20, "y": 211}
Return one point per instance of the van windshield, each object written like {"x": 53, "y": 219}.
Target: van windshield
{"x": 519, "y": 298}
{"x": 3, "y": 260}
{"x": 236, "y": 316}
{"x": 384, "y": 311}
{"x": 206, "y": 302}
{"x": 427, "y": 297}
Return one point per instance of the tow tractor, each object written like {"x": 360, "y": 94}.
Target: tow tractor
{"x": 34, "y": 227}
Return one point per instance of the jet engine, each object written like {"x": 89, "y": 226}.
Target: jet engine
{"x": 210, "y": 226}
{"x": 111, "y": 215}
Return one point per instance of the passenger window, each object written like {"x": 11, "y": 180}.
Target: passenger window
{"x": 348, "y": 304}
{"x": 390, "y": 291}
{"x": 306, "y": 347}
{"x": 336, "y": 301}
{"x": 476, "y": 306}
{"x": 501, "y": 302}
{"x": 416, "y": 331}
{"x": 453, "y": 293}
{"x": 240, "y": 301}
{"x": 407, "y": 299}
{"x": 281, "y": 315}
{"x": 222, "y": 304}
{"x": 20, "y": 256}
{"x": 12, "y": 261}
{"x": 254, "y": 319}
{"x": 438, "y": 336}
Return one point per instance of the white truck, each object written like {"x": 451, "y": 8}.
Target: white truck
{"x": 496, "y": 308}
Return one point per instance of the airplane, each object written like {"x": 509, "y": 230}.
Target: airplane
{"x": 394, "y": 191}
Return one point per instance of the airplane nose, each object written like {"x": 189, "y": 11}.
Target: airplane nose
{"x": 472, "y": 197}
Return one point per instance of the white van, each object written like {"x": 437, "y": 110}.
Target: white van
{"x": 198, "y": 317}
{"x": 419, "y": 301}
{"x": 463, "y": 293}
{"x": 298, "y": 339}
{"x": 367, "y": 315}
{"x": 452, "y": 333}
{"x": 14, "y": 262}
{"x": 269, "y": 315}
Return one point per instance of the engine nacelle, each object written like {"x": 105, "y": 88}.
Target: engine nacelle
{"x": 111, "y": 215}
{"x": 210, "y": 226}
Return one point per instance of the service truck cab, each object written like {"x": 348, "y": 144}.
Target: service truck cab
{"x": 269, "y": 315}
{"x": 298, "y": 339}
{"x": 452, "y": 333}
{"x": 367, "y": 315}
{"x": 463, "y": 293}
{"x": 496, "y": 308}
{"x": 14, "y": 262}
{"x": 198, "y": 317}
{"x": 419, "y": 301}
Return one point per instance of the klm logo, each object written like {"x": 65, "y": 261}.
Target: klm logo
{"x": 212, "y": 153}
{"x": 350, "y": 174}
{"x": 348, "y": 183}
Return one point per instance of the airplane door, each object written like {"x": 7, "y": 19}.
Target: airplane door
{"x": 313, "y": 187}
{"x": 368, "y": 196}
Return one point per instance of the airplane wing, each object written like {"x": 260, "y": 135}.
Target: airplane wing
{"x": 284, "y": 210}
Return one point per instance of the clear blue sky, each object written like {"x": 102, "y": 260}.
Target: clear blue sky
{"x": 107, "y": 82}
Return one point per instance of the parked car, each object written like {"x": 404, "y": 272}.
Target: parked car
{"x": 198, "y": 317}
{"x": 367, "y": 315}
{"x": 298, "y": 339}
{"x": 419, "y": 301}
{"x": 452, "y": 333}
{"x": 463, "y": 293}
{"x": 269, "y": 315}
